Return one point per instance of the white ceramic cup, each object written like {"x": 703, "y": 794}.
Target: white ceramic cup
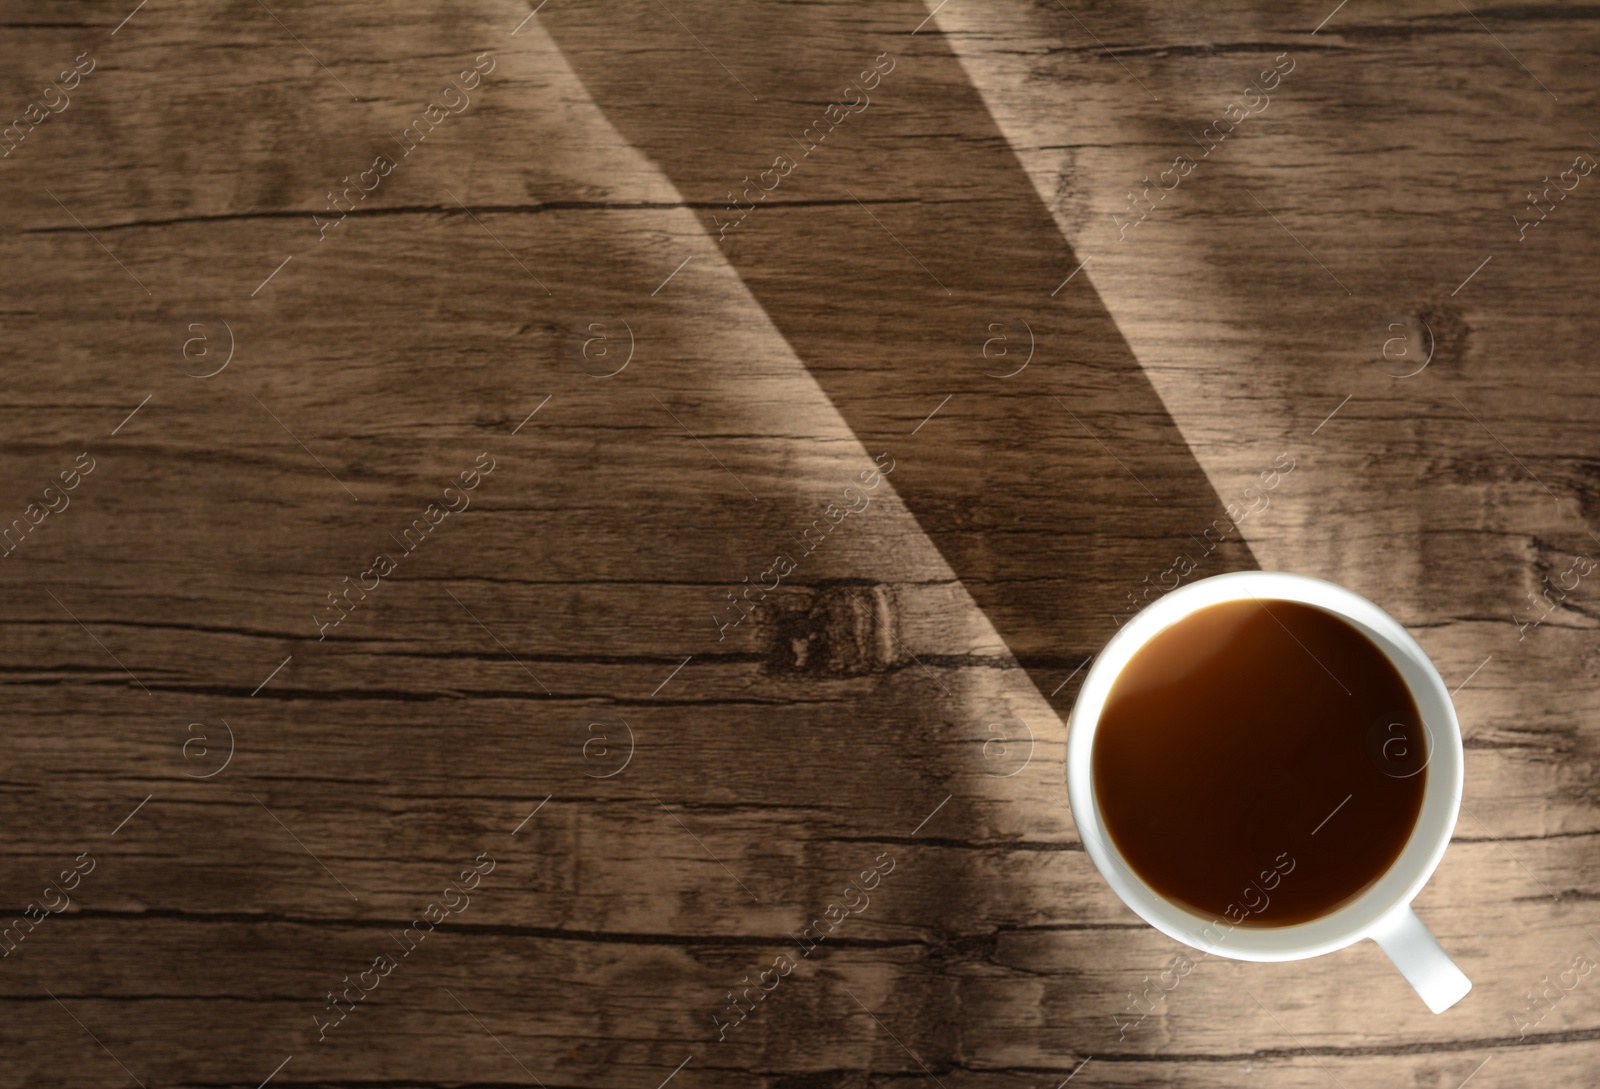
{"x": 1383, "y": 912}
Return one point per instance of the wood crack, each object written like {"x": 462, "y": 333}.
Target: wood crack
{"x": 448, "y": 210}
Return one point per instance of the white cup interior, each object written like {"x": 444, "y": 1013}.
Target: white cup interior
{"x": 1394, "y": 889}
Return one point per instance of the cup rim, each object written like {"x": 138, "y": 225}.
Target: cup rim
{"x": 1394, "y": 889}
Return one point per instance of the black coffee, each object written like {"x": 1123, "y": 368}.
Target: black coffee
{"x": 1260, "y": 761}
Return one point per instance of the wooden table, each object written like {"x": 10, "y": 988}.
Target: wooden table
{"x": 521, "y": 527}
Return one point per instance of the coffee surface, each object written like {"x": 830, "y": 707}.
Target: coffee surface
{"x": 1260, "y": 761}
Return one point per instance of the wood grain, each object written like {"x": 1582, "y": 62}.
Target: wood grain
{"x": 902, "y": 695}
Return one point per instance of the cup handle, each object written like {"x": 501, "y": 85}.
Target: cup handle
{"x": 1421, "y": 959}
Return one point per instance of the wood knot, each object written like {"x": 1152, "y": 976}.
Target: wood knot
{"x": 839, "y": 628}
{"x": 1450, "y": 332}
{"x": 1429, "y": 336}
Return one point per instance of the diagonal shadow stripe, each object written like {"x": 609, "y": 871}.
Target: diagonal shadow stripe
{"x": 909, "y": 262}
